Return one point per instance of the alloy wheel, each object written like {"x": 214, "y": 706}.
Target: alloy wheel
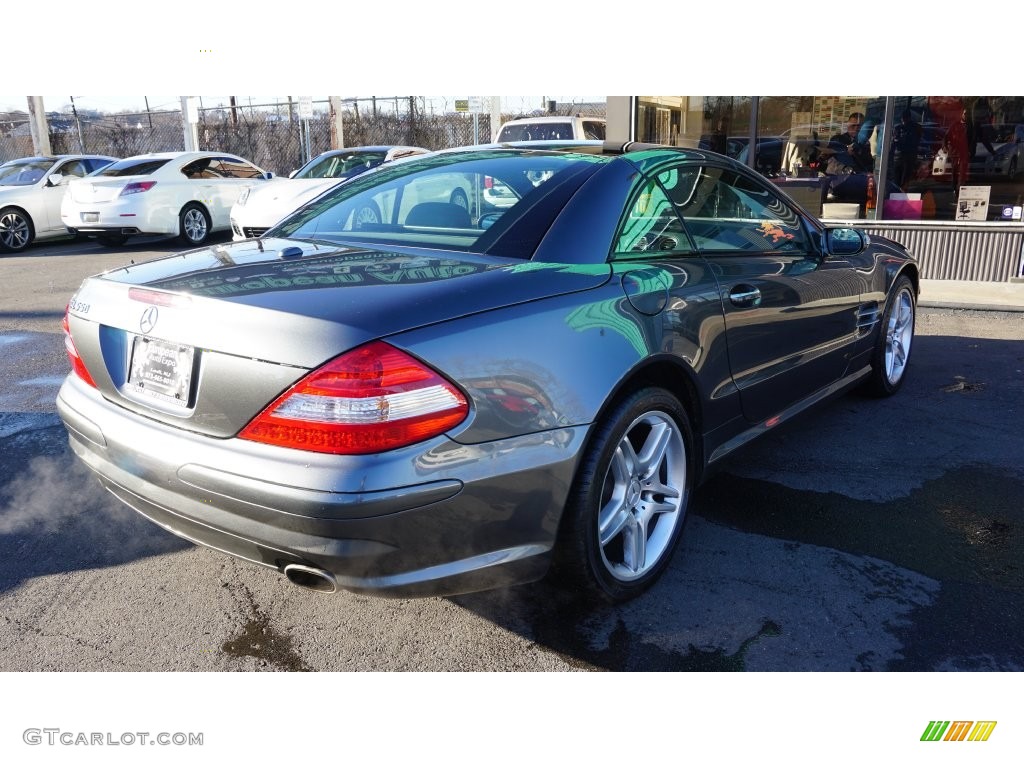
{"x": 643, "y": 497}
{"x": 14, "y": 231}
{"x": 898, "y": 335}
{"x": 194, "y": 223}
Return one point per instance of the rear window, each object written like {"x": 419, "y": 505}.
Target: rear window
{"x": 459, "y": 202}
{"x": 134, "y": 167}
{"x": 537, "y": 132}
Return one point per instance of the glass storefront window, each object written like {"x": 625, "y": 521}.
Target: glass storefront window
{"x": 718, "y": 123}
{"x": 957, "y": 158}
{"x": 824, "y": 150}
{"x": 950, "y": 158}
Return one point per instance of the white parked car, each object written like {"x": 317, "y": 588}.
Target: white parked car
{"x": 187, "y": 194}
{"x": 259, "y": 208}
{"x": 31, "y": 189}
{"x": 552, "y": 128}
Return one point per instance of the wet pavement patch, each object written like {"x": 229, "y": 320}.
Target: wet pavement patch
{"x": 966, "y": 525}
{"x": 964, "y": 529}
{"x": 960, "y": 384}
{"x": 258, "y": 638}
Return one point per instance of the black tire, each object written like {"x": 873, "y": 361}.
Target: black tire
{"x": 16, "y": 230}
{"x": 458, "y": 197}
{"x": 891, "y": 355}
{"x": 633, "y": 499}
{"x": 367, "y": 216}
{"x": 112, "y": 241}
{"x": 194, "y": 225}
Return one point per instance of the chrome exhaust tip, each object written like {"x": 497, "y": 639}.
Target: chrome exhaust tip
{"x": 311, "y": 578}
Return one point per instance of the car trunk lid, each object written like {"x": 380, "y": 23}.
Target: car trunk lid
{"x": 98, "y": 190}
{"x": 248, "y": 319}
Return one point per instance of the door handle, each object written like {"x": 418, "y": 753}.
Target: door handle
{"x": 745, "y": 296}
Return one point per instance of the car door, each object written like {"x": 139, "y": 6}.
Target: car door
{"x": 790, "y": 314}
{"x": 202, "y": 175}
{"x": 235, "y": 175}
{"x": 53, "y": 194}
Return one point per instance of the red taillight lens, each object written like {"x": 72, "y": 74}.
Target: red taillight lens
{"x": 137, "y": 186}
{"x": 76, "y": 360}
{"x": 369, "y": 400}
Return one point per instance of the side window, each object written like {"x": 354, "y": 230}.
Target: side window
{"x": 203, "y": 168}
{"x": 651, "y": 225}
{"x": 726, "y": 211}
{"x": 234, "y": 168}
{"x": 95, "y": 163}
{"x": 74, "y": 168}
{"x": 593, "y": 130}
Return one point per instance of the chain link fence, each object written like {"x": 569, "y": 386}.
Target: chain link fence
{"x": 121, "y": 135}
{"x": 270, "y": 135}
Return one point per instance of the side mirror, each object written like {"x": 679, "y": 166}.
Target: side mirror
{"x": 54, "y": 179}
{"x": 268, "y": 175}
{"x": 844, "y": 241}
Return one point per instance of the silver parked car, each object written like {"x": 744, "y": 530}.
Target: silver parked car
{"x": 31, "y": 191}
{"x": 454, "y": 398}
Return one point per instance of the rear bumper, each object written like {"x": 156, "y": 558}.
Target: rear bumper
{"x": 126, "y": 216}
{"x": 453, "y": 518}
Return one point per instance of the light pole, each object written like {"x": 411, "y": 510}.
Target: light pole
{"x": 74, "y": 111}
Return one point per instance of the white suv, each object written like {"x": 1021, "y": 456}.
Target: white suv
{"x": 552, "y": 129}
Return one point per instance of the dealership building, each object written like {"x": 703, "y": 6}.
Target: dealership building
{"x": 948, "y": 182}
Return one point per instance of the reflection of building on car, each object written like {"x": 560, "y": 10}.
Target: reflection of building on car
{"x": 259, "y": 208}
{"x": 31, "y": 190}
{"x": 552, "y": 129}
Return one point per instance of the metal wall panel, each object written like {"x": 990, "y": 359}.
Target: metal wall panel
{"x": 989, "y": 254}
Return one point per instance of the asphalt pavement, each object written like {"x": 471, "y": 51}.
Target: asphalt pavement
{"x": 868, "y": 535}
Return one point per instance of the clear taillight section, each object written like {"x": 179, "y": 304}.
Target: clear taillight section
{"x": 76, "y": 359}
{"x": 137, "y": 186}
{"x": 371, "y": 399}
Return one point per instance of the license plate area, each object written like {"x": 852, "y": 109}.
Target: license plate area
{"x": 161, "y": 371}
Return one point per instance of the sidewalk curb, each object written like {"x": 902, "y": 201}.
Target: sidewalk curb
{"x": 973, "y": 307}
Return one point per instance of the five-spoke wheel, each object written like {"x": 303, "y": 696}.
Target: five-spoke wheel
{"x": 628, "y": 505}
{"x": 892, "y": 351}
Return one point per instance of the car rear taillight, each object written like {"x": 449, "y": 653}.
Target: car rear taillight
{"x": 136, "y": 187}
{"x": 159, "y": 298}
{"x": 77, "y": 365}
{"x": 371, "y": 399}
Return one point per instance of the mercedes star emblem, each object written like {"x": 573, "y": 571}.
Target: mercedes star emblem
{"x": 148, "y": 321}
